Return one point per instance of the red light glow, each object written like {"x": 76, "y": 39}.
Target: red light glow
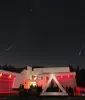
{"x": 10, "y": 76}
{"x": 61, "y": 76}
{"x": 1, "y": 75}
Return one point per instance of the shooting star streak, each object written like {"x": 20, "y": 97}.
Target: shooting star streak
{"x": 81, "y": 50}
{"x": 9, "y": 48}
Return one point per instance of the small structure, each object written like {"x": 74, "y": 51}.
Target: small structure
{"x": 63, "y": 93}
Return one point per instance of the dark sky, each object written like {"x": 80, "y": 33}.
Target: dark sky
{"x": 42, "y": 32}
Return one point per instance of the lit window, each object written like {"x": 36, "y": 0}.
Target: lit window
{"x": 33, "y": 83}
{"x": 34, "y": 77}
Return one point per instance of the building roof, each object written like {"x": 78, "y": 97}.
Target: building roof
{"x": 37, "y": 67}
{"x": 60, "y": 73}
{"x": 53, "y": 69}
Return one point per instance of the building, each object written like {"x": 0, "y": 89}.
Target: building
{"x": 36, "y": 76}
{"x": 40, "y": 76}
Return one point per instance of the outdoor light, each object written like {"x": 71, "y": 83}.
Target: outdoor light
{"x": 33, "y": 84}
{"x": 10, "y": 76}
{"x": 35, "y": 77}
{"x": 61, "y": 76}
{"x": 1, "y": 75}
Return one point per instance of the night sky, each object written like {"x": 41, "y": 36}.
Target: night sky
{"x": 42, "y": 32}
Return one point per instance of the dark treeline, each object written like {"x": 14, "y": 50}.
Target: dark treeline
{"x": 80, "y": 75}
{"x": 12, "y": 68}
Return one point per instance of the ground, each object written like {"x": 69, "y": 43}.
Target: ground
{"x": 44, "y": 98}
{"x": 63, "y": 98}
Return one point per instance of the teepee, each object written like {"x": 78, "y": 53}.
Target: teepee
{"x": 62, "y": 93}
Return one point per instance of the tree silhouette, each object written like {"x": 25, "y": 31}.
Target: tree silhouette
{"x": 81, "y": 80}
{"x": 77, "y": 69}
{"x": 71, "y": 68}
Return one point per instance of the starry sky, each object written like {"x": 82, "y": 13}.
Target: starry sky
{"x": 42, "y": 32}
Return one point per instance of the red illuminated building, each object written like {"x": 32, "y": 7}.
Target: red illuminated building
{"x": 36, "y": 76}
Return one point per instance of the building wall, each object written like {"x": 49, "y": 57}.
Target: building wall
{"x": 38, "y": 71}
{"x": 42, "y": 74}
{"x": 65, "y": 79}
{"x": 19, "y": 79}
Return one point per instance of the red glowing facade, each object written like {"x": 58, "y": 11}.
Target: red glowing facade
{"x": 38, "y": 76}
{"x": 65, "y": 79}
{"x": 6, "y": 81}
{"x": 10, "y": 80}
